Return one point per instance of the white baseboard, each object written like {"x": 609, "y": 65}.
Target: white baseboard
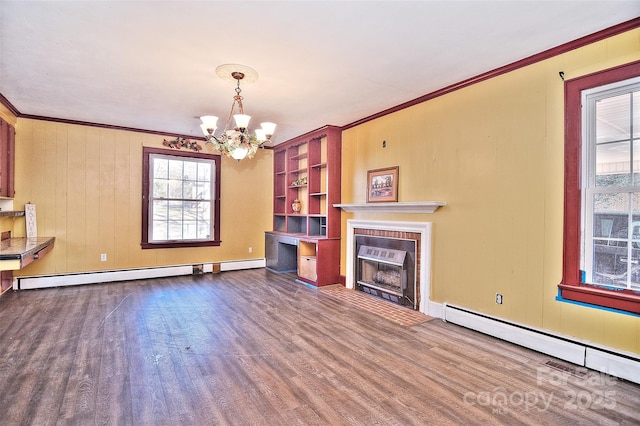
{"x": 612, "y": 364}
{"x": 434, "y": 309}
{"x": 607, "y": 360}
{"x": 243, "y": 264}
{"x": 62, "y": 280}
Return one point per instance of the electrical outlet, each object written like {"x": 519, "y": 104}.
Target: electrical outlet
{"x": 498, "y": 298}
{"x": 250, "y": 249}
{"x": 103, "y": 257}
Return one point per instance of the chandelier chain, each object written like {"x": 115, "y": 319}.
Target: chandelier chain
{"x": 237, "y": 99}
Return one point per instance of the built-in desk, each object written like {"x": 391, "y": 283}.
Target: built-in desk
{"x": 281, "y": 251}
{"x": 16, "y": 253}
{"x": 315, "y": 258}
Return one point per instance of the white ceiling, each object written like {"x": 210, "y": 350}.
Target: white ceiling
{"x": 151, "y": 64}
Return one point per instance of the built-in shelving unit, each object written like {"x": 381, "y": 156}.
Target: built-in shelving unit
{"x": 307, "y": 169}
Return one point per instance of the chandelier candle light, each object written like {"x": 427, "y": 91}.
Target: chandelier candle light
{"x": 236, "y": 142}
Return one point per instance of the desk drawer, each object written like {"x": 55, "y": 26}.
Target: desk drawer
{"x": 307, "y": 268}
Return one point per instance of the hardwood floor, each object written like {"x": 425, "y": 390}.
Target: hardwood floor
{"x": 253, "y": 347}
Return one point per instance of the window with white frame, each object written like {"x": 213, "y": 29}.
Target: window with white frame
{"x": 180, "y": 202}
{"x": 611, "y": 185}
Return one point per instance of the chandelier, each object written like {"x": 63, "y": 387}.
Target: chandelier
{"x": 235, "y": 140}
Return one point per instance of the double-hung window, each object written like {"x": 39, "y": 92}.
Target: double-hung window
{"x": 611, "y": 194}
{"x": 180, "y": 199}
{"x": 602, "y": 189}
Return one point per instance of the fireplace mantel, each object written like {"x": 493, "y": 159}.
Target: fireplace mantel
{"x": 403, "y": 207}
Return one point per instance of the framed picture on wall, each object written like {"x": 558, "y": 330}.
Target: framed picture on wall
{"x": 382, "y": 185}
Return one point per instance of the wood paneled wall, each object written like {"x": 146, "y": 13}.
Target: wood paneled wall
{"x": 86, "y": 183}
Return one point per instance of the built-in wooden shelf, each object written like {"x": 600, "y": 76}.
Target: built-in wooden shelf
{"x": 402, "y": 207}
{"x": 300, "y": 156}
{"x": 298, "y": 171}
{"x": 7, "y": 213}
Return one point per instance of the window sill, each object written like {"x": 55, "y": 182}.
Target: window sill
{"x": 624, "y": 300}
{"x": 180, "y": 244}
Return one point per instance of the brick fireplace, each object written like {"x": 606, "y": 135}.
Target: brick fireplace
{"x": 386, "y": 265}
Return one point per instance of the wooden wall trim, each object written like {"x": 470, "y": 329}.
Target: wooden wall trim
{"x": 146, "y": 183}
{"x": 109, "y": 126}
{"x": 555, "y": 51}
{"x": 4, "y": 101}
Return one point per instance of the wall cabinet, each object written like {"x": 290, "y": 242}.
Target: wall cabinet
{"x": 307, "y": 169}
{"x": 7, "y": 159}
{"x": 7, "y": 171}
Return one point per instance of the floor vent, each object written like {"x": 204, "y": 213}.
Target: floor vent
{"x": 578, "y": 372}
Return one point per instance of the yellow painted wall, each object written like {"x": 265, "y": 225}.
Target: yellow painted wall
{"x": 86, "y": 183}
{"x": 494, "y": 152}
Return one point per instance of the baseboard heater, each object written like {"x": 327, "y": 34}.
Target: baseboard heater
{"x": 62, "y": 280}
{"x": 622, "y": 365}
